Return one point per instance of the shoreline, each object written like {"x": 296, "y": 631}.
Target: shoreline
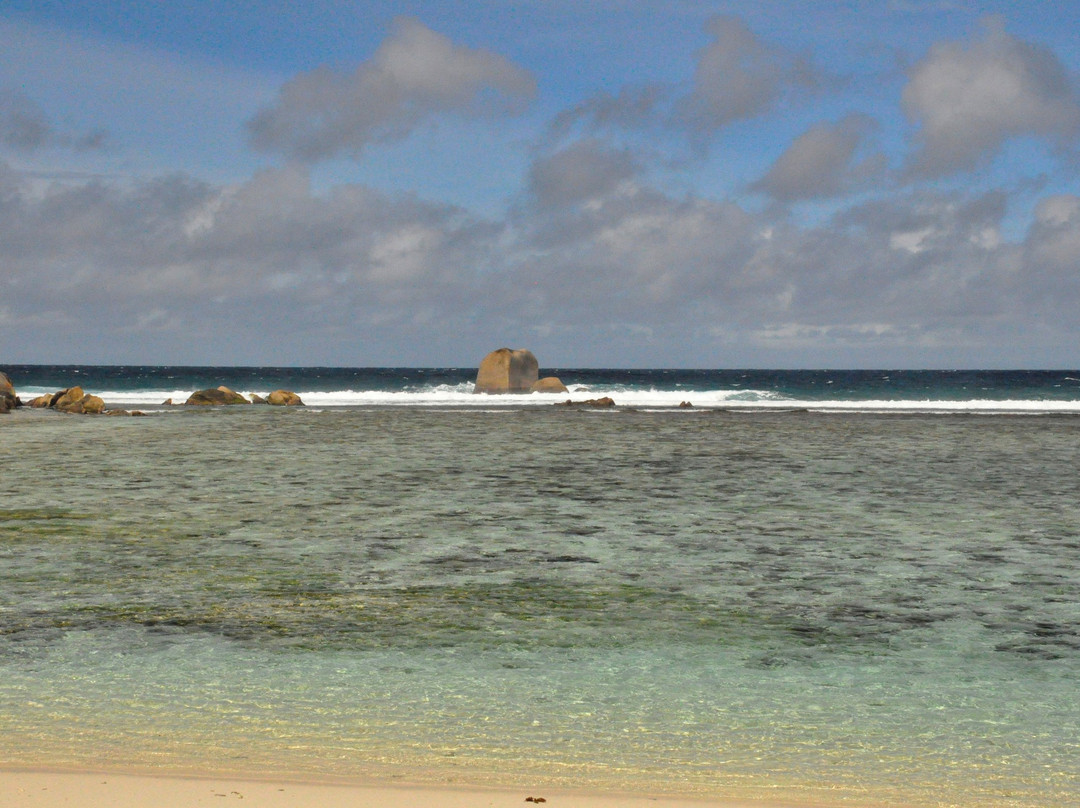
{"x": 106, "y": 788}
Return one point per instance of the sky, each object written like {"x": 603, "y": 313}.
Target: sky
{"x": 608, "y": 183}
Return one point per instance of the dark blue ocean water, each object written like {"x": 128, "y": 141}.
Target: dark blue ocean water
{"x": 1028, "y": 390}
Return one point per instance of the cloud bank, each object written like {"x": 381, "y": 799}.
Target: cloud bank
{"x": 839, "y": 251}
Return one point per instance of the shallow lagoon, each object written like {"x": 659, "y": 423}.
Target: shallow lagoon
{"x": 851, "y": 607}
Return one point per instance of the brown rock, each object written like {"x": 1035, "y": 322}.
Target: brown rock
{"x": 219, "y": 396}
{"x": 549, "y": 384}
{"x": 507, "y": 371}
{"x": 69, "y": 400}
{"x": 284, "y": 398}
{"x": 92, "y": 404}
{"x": 8, "y": 399}
{"x": 41, "y": 402}
{"x": 256, "y": 398}
{"x": 606, "y": 401}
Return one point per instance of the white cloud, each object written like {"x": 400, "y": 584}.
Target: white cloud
{"x": 414, "y": 74}
{"x": 968, "y": 101}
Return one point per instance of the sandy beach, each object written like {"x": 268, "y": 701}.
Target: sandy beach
{"x": 51, "y": 789}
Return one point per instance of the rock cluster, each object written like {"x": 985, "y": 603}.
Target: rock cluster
{"x": 514, "y": 371}
{"x": 76, "y": 401}
{"x": 221, "y": 396}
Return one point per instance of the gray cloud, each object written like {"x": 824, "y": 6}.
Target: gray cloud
{"x": 969, "y": 100}
{"x": 414, "y": 74}
{"x": 822, "y": 162}
{"x": 738, "y": 76}
{"x": 25, "y": 127}
{"x": 583, "y": 170}
{"x": 1050, "y": 252}
{"x": 631, "y": 108}
{"x": 23, "y": 124}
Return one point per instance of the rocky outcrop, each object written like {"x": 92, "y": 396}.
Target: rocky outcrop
{"x": 8, "y": 399}
{"x": 73, "y": 400}
{"x": 507, "y": 371}
{"x": 549, "y": 384}
{"x": 215, "y": 397}
{"x": 606, "y": 401}
{"x": 256, "y": 398}
{"x": 284, "y": 398}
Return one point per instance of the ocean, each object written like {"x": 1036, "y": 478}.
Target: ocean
{"x": 842, "y": 587}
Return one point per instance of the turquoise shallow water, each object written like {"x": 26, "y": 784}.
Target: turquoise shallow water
{"x": 847, "y": 607}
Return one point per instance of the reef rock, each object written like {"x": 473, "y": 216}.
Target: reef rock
{"x": 606, "y": 401}
{"x": 507, "y": 371}
{"x": 284, "y": 398}
{"x": 549, "y": 384}
{"x": 218, "y": 396}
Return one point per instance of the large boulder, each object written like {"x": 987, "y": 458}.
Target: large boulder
{"x": 8, "y": 399}
{"x": 218, "y": 396}
{"x": 548, "y": 384}
{"x": 507, "y": 371}
{"x": 284, "y": 398}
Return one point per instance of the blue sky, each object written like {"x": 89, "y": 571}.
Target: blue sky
{"x": 608, "y": 183}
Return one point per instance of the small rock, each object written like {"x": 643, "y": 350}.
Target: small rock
{"x": 549, "y": 384}
{"x": 284, "y": 398}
